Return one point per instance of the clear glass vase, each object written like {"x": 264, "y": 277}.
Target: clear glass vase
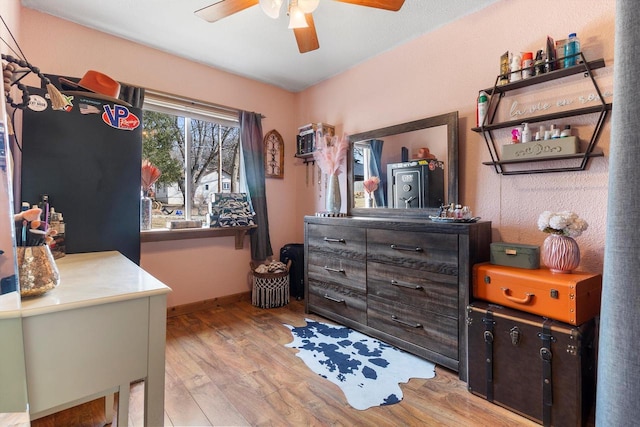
{"x": 333, "y": 202}
{"x": 145, "y": 212}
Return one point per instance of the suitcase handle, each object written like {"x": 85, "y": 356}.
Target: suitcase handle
{"x": 525, "y": 300}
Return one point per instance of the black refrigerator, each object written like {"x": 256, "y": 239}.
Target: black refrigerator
{"x": 87, "y": 159}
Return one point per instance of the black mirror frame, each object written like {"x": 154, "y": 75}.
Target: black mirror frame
{"x": 451, "y": 121}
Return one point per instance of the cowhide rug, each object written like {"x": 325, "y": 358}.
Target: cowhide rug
{"x": 367, "y": 370}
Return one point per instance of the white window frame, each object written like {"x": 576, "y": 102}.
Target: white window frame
{"x": 193, "y": 109}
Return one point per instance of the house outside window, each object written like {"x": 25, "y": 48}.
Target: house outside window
{"x": 196, "y": 146}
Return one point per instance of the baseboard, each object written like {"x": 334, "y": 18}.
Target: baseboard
{"x": 179, "y": 310}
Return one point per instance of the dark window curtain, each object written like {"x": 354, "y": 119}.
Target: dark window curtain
{"x": 253, "y": 155}
{"x": 132, "y": 94}
{"x": 375, "y": 169}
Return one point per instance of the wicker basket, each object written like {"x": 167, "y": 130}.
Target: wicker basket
{"x": 270, "y": 290}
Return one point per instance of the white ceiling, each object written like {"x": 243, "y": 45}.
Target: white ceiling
{"x": 253, "y": 45}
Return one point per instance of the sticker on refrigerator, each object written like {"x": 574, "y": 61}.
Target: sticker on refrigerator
{"x": 120, "y": 117}
{"x": 37, "y": 103}
{"x": 88, "y": 109}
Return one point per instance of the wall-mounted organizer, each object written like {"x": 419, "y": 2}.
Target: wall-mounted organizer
{"x": 488, "y": 126}
{"x": 306, "y": 139}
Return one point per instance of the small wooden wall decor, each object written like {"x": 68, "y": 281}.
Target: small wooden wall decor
{"x": 273, "y": 155}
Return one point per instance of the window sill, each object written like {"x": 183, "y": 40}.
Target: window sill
{"x": 164, "y": 234}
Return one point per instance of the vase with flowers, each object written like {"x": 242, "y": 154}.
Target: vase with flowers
{"x": 150, "y": 175}
{"x": 370, "y": 186}
{"x": 560, "y": 252}
{"x": 330, "y": 154}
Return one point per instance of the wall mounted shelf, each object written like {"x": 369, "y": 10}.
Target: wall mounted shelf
{"x": 306, "y": 158}
{"x": 161, "y": 235}
{"x": 487, "y": 128}
{"x": 583, "y": 67}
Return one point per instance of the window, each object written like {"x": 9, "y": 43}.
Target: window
{"x": 197, "y": 149}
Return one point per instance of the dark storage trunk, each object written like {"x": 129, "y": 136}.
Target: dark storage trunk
{"x": 540, "y": 368}
{"x": 295, "y": 253}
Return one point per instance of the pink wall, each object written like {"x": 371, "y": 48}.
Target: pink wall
{"x": 197, "y": 269}
{"x": 437, "y": 73}
{"x": 443, "y": 71}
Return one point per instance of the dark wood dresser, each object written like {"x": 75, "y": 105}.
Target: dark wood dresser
{"x": 404, "y": 281}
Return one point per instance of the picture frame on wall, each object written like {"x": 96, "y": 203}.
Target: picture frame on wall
{"x": 273, "y": 155}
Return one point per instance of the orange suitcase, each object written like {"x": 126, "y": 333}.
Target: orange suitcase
{"x": 571, "y": 298}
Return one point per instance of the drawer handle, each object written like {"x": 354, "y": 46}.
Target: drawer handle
{"x": 406, "y": 285}
{"x": 525, "y": 300}
{"x": 407, "y": 248}
{"x": 411, "y": 325}
{"x": 331, "y": 240}
{"x": 335, "y": 270}
{"x": 334, "y": 299}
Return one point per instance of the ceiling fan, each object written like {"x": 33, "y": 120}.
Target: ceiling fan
{"x": 299, "y": 11}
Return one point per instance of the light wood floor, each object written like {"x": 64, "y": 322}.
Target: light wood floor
{"x": 228, "y": 366}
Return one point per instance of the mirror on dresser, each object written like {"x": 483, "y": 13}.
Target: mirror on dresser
{"x": 420, "y": 157}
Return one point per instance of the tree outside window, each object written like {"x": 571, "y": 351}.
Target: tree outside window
{"x": 196, "y": 157}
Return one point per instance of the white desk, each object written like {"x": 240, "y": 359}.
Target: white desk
{"x": 102, "y": 328}
{"x": 13, "y": 387}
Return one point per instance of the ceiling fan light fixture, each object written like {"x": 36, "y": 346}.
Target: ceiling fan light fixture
{"x": 308, "y": 6}
{"x": 271, "y": 7}
{"x": 297, "y": 18}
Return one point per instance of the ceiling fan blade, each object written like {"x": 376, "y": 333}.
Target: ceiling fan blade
{"x": 307, "y": 38}
{"x": 223, "y": 8}
{"x": 393, "y": 5}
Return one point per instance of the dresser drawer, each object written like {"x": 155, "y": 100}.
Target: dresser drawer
{"x": 429, "y": 291}
{"x": 338, "y": 271}
{"x": 414, "y": 250}
{"x": 343, "y": 301}
{"x": 337, "y": 241}
{"x": 415, "y": 325}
